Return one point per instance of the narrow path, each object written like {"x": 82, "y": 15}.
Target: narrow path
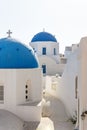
{"x": 54, "y": 116}
{"x": 55, "y": 110}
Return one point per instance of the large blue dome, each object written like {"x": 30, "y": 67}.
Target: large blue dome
{"x": 43, "y": 36}
{"x": 14, "y": 54}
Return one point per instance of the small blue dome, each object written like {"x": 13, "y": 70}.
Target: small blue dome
{"x": 43, "y": 36}
{"x": 14, "y": 54}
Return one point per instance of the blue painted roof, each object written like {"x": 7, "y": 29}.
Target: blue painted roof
{"x": 14, "y": 54}
{"x": 43, "y": 36}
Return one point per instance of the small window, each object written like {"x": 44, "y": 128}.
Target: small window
{"x": 28, "y": 94}
{"x": 26, "y": 86}
{"x": 54, "y": 51}
{"x": 1, "y": 93}
{"x": 26, "y": 97}
{"x": 76, "y": 87}
{"x": 44, "y": 69}
{"x": 26, "y": 91}
{"x": 44, "y": 50}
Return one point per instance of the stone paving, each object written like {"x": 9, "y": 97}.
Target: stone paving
{"x": 54, "y": 116}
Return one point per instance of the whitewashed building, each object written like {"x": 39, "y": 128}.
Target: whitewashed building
{"x": 65, "y": 80}
{"x": 47, "y": 49}
{"x": 20, "y": 80}
{"x": 65, "y": 76}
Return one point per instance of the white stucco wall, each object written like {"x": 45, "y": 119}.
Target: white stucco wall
{"x": 52, "y": 67}
{"x": 8, "y": 80}
{"x": 83, "y": 83}
{"x": 52, "y": 62}
{"x": 52, "y": 85}
{"x": 14, "y": 81}
{"x": 34, "y": 76}
{"x": 65, "y": 89}
{"x": 49, "y": 47}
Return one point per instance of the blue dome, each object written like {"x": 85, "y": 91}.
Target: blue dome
{"x": 14, "y": 54}
{"x": 43, "y": 36}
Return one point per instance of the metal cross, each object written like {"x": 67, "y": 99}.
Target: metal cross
{"x": 43, "y": 29}
{"x": 9, "y": 33}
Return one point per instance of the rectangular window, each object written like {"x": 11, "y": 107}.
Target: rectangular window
{"x": 76, "y": 87}
{"x": 44, "y": 69}
{"x": 54, "y": 51}
{"x": 44, "y": 50}
{"x": 1, "y": 93}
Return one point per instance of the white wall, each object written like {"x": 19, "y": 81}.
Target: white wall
{"x": 8, "y": 80}
{"x": 35, "y": 78}
{"x": 83, "y": 82}
{"x": 51, "y": 66}
{"x": 49, "y": 47}
{"x": 65, "y": 89}
{"x": 23, "y": 109}
{"x": 50, "y": 60}
{"x": 52, "y": 85}
{"x": 14, "y": 81}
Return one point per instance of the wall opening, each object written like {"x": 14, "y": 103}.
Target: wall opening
{"x": 28, "y": 90}
{"x": 44, "y": 69}
{"x": 54, "y": 51}
{"x": 1, "y": 93}
{"x": 44, "y": 50}
{"x": 76, "y": 87}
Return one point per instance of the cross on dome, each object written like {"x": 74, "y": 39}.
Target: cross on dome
{"x": 43, "y": 29}
{"x": 9, "y": 33}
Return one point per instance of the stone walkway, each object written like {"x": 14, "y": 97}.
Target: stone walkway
{"x": 54, "y": 116}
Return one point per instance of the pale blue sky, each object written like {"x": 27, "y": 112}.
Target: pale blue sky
{"x": 66, "y": 19}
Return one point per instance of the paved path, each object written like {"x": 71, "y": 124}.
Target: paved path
{"x": 54, "y": 116}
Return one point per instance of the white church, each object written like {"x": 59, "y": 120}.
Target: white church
{"x": 47, "y": 49}
{"x": 65, "y": 75}
{"x": 20, "y": 83}
{"x": 25, "y": 71}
